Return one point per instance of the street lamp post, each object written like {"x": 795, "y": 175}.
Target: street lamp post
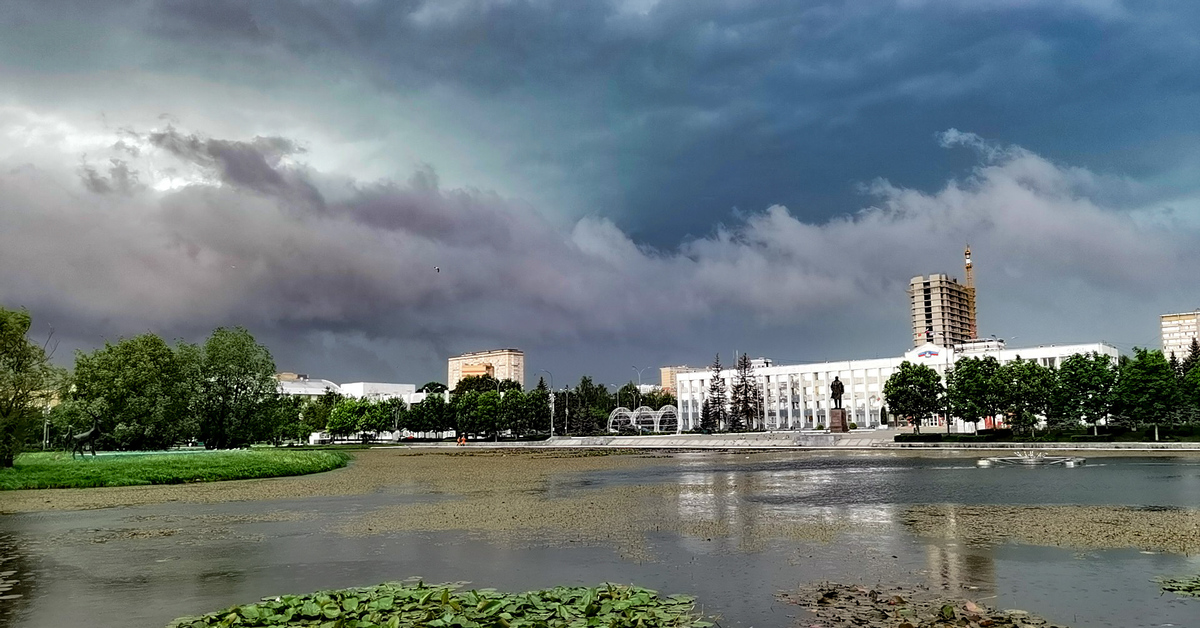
{"x": 639, "y": 388}
{"x": 551, "y": 400}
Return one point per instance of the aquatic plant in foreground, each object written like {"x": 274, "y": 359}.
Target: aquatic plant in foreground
{"x": 414, "y": 603}
{"x": 1189, "y": 586}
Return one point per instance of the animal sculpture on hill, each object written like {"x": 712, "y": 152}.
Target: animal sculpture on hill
{"x": 86, "y": 438}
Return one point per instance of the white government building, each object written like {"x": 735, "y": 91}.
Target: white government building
{"x": 796, "y": 396}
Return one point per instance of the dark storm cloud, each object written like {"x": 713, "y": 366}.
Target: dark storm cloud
{"x": 121, "y": 178}
{"x": 253, "y": 165}
{"x": 667, "y": 114}
{"x": 365, "y": 265}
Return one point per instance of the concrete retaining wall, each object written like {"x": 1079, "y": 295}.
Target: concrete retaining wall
{"x": 803, "y": 440}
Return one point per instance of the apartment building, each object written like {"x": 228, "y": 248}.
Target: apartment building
{"x": 943, "y": 310}
{"x": 500, "y": 363}
{"x": 1178, "y": 331}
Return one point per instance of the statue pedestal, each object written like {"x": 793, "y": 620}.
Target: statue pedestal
{"x": 837, "y": 420}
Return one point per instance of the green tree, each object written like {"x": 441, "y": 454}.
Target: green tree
{"x": 1028, "y": 387}
{"x": 431, "y": 414}
{"x": 914, "y": 391}
{"x": 657, "y": 399}
{"x": 462, "y": 408}
{"x": 718, "y": 408}
{"x": 397, "y": 410}
{"x": 629, "y": 396}
{"x": 708, "y": 418}
{"x": 316, "y": 411}
{"x": 374, "y": 417}
{"x": 432, "y": 387}
{"x": 237, "y": 378}
{"x": 1190, "y": 392}
{"x": 487, "y": 413}
{"x": 285, "y": 419}
{"x": 27, "y": 382}
{"x": 344, "y": 418}
{"x": 538, "y": 407}
{"x": 514, "y": 412}
{"x": 146, "y": 387}
{"x": 975, "y": 389}
{"x": 1192, "y": 359}
{"x": 1147, "y": 390}
{"x": 744, "y": 397}
{"x": 1083, "y": 392}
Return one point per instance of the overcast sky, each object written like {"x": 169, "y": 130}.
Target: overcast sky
{"x": 602, "y": 184}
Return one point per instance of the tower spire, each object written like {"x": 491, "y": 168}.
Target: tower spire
{"x": 970, "y": 293}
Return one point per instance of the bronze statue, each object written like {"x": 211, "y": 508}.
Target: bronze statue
{"x": 836, "y": 388}
{"x": 89, "y": 438}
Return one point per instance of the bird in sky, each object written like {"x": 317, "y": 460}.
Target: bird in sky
{"x": 437, "y": 269}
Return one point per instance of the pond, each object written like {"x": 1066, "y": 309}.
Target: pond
{"x": 733, "y": 530}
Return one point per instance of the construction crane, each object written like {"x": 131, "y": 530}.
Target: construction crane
{"x": 971, "y": 294}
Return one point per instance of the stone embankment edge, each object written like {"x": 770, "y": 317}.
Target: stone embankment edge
{"x": 767, "y": 444}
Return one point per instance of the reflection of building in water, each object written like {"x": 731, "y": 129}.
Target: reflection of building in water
{"x": 954, "y": 566}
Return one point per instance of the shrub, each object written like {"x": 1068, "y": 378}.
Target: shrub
{"x": 820, "y": 426}
{"x": 935, "y": 437}
{"x": 853, "y": 425}
{"x": 1000, "y": 434}
{"x": 1089, "y": 438}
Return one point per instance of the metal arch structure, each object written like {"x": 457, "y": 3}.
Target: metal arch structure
{"x": 644, "y": 419}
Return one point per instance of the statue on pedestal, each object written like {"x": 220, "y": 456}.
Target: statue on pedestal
{"x": 836, "y": 388}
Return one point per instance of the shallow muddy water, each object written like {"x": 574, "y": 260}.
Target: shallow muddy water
{"x": 733, "y": 530}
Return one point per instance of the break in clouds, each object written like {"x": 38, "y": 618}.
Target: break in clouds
{"x": 177, "y": 232}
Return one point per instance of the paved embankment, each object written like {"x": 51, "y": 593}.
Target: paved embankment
{"x": 861, "y": 440}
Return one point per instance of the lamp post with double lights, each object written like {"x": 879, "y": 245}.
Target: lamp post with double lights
{"x": 945, "y": 374}
{"x": 639, "y": 388}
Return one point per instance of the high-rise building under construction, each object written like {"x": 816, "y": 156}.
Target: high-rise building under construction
{"x": 943, "y": 310}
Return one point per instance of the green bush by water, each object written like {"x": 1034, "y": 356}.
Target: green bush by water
{"x": 58, "y": 470}
{"x": 413, "y": 603}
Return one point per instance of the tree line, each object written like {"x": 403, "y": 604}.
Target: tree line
{"x": 146, "y": 394}
{"x": 740, "y": 409}
{"x": 1145, "y": 389}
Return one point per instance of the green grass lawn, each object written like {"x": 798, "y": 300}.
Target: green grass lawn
{"x": 58, "y": 470}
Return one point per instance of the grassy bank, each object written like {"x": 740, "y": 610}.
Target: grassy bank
{"x": 418, "y": 604}
{"x": 58, "y": 470}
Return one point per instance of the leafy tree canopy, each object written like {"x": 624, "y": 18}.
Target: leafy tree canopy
{"x": 914, "y": 391}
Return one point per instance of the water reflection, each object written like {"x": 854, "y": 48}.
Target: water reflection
{"x": 16, "y": 580}
{"x": 734, "y": 532}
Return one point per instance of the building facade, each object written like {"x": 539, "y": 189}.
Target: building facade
{"x": 1178, "y": 331}
{"x": 796, "y": 396}
{"x": 300, "y": 385}
{"x": 500, "y": 363}
{"x": 378, "y": 391}
{"x": 667, "y": 375}
{"x": 943, "y": 310}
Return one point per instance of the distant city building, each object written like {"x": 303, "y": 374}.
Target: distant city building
{"x": 667, "y": 375}
{"x": 378, "y": 391}
{"x": 943, "y": 310}
{"x": 796, "y": 396}
{"x": 501, "y": 364}
{"x": 1178, "y": 331}
{"x": 300, "y": 385}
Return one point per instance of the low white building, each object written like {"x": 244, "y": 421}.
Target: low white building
{"x": 301, "y": 385}
{"x": 796, "y": 396}
{"x": 378, "y": 391}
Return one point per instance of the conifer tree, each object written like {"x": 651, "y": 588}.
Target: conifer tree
{"x": 708, "y": 422}
{"x": 744, "y": 397}
{"x": 718, "y": 407}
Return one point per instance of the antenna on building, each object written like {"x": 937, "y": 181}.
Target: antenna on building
{"x": 971, "y": 293}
